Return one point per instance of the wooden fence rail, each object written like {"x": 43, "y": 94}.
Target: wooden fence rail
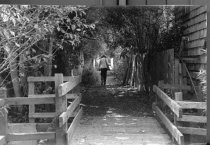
{"x": 62, "y": 134}
{"x": 173, "y": 105}
{"x": 177, "y": 107}
{"x": 2, "y": 140}
{"x": 179, "y": 137}
{"x": 70, "y": 109}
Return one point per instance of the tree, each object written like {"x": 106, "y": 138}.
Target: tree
{"x": 139, "y": 31}
{"x": 24, "y": 26}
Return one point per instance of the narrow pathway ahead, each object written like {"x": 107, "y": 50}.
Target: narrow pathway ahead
{"x": 115, "y": 115}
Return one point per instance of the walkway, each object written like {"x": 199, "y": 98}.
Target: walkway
{"x": 118, "y": 116}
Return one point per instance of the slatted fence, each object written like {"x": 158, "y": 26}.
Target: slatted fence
{"x": 177, "y": 106}
{"x": 63, "y": 132}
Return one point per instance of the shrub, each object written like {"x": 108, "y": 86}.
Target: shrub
{"x": 90, "y": 77}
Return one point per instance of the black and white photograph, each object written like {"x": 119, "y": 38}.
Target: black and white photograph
{"x": 103, "y": 75}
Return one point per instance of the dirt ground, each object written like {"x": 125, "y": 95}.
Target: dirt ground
{"x": 118, "y": 115}
{"x": 123, "y": 100}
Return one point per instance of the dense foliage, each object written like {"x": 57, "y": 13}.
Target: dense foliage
{"x": 31, "y": 35}
{"x": 138, "y": 31}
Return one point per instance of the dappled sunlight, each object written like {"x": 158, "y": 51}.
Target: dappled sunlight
{"x": 122, "y": 138}
{"x": 122, "y": 116}
{"x": 116, "y": 115}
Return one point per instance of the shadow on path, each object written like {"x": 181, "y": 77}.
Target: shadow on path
{"x": 115, "y": 100}
{"x": 118, "y": 115}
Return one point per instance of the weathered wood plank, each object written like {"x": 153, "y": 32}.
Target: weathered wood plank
{"x": 175, "y": 87}
{"x": 73, "y": 126}
{"x": 47, "y": 79}
{"x": 2, "y": 102}
{"x": 3, "y": 114}
{"x": 31, "y": 89}
{"x": 122, "y": 2}
{"x": 109, "y": 2}
{"x": 29, "y": 101}
{"x": 175, "y": 107}
{"x": 60, "y": 105}
{"x": 194, "y": 52}
{"x": 192, "y": 130}
{"x": 30, "y": 136}
{"x": 41, "y": 95}
{"x": 191, "y": 118}
{"x": 22, "y": 128}
{"x": 65, "y": 115}
{"x": 42, "y": 115}
{"x": 159, "y": 2}
{"x": 196, "y": 66}
{"x": 196, "y": 44}
{"x": 71, "y": 96}
{"x": 197, "y": 12}
{"x": 68, "y": 96}
{"x": 55, "y": 2}
{"x": 178, "y": 2}
{"x": 68, "y": 78}
{"x": 41, "y": 79}
{"x": 66, "y": 87}
{"x": 201, "y": 34}
{"x": 178, "y": 97}
{"x": 201, "y": 59}
{"x": 192, "y": 105}
{"x": 176, "y": 71}
{"x": 196, "y": 27}
{"x": 42, "y": 127}
{"x": 170, "y": 126}
{"x": 2, "y": 140}
{"x": 194, "y": 7}
{"x": 193, "y": 21}
{"x": 136, "y": 2}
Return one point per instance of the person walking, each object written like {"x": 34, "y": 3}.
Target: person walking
{"x": 103, "y": 66}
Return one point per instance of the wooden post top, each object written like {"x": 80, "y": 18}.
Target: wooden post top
{"x": 3, "y": 114}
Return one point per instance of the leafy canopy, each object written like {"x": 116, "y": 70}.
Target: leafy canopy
{"x": 22, "y": 26}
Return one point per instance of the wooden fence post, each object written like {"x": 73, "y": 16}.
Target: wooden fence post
{"x": 178, "y": 97}
{"x": 176, "y": 71}
{"x": 180, "y": 74}
{"x": 122, "y": 2}
{"x": 160, "y": 84}
{"x": 31, "y": 107}
{"x": 60, "y": 106}
{"x": 3, "y": 114}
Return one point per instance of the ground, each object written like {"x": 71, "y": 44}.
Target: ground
{"x": 117, "y": 115}
{"x": 99, "y": 101}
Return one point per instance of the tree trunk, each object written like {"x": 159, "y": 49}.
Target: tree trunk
{"x": 125, "y": 76}
{"x": 133, "y": 69}
{"x": 23, "y": 76}
{"x": 138, "y": 80}
{"x": 140, "y": 71}
{"x": 12, "y": 64}
{"x": 48, "y": 67}
{"x": 126, "y": 72}
{"x": 14, "y": 74}
{"x": 82, "y": 62}
{"x": 129, "y": 71}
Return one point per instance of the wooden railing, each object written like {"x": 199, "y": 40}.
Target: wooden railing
{"x": 177, "y": 105}
{"x": 61, "y": 135}
{"x": 31, "y": 94}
